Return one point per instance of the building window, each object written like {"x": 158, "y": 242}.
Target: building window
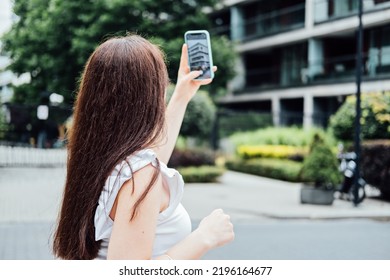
{"x": 333, "y": 9}
{"x": 379, "y": 52}
{"x": 263, "y": 18}
{"x": 278, "y": 67}
{"x": 381, "y": 1}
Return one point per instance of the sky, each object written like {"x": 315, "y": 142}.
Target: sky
{"x": 5, "y": 15}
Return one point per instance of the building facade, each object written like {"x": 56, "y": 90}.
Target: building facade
{"x": 199, "y": 54}
{"x": 297, "y": 57}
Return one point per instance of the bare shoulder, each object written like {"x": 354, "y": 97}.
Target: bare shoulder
{"x": 132, "y": 237}
{"x": 133, "y": 189}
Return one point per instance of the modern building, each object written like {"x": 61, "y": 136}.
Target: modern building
{"x": 199, "y": 54}
{"x": 297, "y": 57}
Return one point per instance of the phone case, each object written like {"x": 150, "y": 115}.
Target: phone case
{"x": 205, "y": 64}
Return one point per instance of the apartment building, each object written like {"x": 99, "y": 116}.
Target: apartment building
{"x": 297, "y": 57}
{"x": 199, "y": 56}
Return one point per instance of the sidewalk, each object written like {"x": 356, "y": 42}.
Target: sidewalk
{"x": 250, "y": 198}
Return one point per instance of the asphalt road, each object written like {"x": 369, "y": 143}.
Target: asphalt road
{"x": 29, "y": 200}
{"x": 308, "y": 240}
{"x": 279, "y": 240}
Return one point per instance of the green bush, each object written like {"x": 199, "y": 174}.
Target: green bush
{"x": 375, "y": 120}
{"x": 320, "y": 165}
{"x": 3, "y": 123}
{"x": 199, "y": 117}
{"x": 290, "y": 136}
{"x": 201, "y": 174}
{"x": 273, "y": 168}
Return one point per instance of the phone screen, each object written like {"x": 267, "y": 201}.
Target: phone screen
{"x": 199, "y": 54}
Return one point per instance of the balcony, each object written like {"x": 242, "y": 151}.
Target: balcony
{"x": 273, "y": 22}
{"x": 328, "y": 10}
{"x": 259, "y": 19}
{"x": 338, "y": 69}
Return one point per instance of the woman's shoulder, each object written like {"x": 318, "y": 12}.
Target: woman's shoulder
{"x": 133, "y": 163}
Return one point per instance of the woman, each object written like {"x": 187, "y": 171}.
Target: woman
{"x": 121, "y": 201}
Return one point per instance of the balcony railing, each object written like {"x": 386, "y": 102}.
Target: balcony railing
{"x": 335, "y": 69}
{"x": 274, "y": 22}
{"x": 266, "y": 24}
{"x": 326, "y": 10}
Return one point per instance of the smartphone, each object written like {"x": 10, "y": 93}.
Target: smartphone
{"x": 199, "y": 53}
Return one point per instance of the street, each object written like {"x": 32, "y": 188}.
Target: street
{"x": 274, "y": 240}
{"x": 30, "y": 198}
{"x": 308, "y": 240}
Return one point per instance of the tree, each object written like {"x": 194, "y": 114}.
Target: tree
{"x": 199, "y": 117}
{"x": 52, "y": 39}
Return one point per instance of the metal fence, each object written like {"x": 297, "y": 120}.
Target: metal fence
{"x": 31, "y": 157}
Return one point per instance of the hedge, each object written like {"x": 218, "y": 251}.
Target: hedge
{"x": 271, "y": 151}
{"x": 191, "y": 157}
{"x": 285, "y": 170}
{"x": 291, "y": 136}
{"x": 201, "y": 174}
{"x": 375, "y": 165}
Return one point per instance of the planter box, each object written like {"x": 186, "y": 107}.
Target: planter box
{"x": 311, "y": 195}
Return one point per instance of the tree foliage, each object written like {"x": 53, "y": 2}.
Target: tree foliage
{"x": 199, "y": 117}
{"x": 52, "y": 39}
{"x": 3, "y": 123}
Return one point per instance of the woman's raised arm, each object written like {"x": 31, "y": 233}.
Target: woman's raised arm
{"x": 185, "y": 90}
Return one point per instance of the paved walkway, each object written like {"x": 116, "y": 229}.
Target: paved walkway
{"x": 30, "y": 198}
{"x": 251, "y": 198}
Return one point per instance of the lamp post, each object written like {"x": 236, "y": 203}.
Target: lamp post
{"x": 358, "y": 101}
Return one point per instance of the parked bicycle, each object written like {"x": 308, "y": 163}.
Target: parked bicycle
{"x": 347, "y": 189}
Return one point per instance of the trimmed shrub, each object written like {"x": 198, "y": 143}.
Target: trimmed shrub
{"x": 191, "y": 157}
{"x": 201, "y": 174}
{"x": 375, "y": 165}
{"x": 321, "y": 166}
{"x": 271, "y": 151}
{"x": 273, "y": 168}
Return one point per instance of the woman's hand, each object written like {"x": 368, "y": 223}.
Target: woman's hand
{"x": 186, "y": 86}
{"x": 216, "y": 229}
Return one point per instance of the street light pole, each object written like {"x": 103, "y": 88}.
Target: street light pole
{"x": 358, "y": 101}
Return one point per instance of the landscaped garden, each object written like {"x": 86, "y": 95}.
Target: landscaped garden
{"x": 281, "y": 152}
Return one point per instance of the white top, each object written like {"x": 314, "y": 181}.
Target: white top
{"x": 173, "y": 224}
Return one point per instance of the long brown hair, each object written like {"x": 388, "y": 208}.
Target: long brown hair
{"x": 120, "y": 109}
